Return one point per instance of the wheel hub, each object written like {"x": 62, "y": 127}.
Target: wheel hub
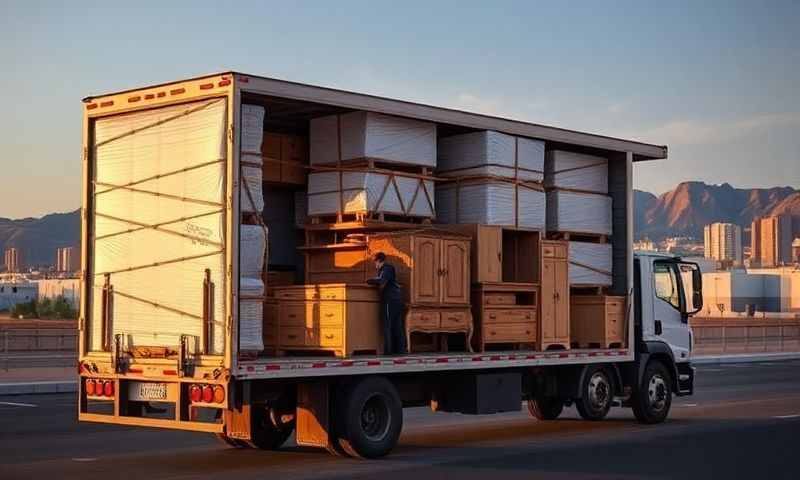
{"x": 657, "y": 392}
{"x": 375, "y": 418}
{"x": 599, "y": 391}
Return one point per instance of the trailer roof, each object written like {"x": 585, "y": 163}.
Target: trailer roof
{"x": 361, "y": 101}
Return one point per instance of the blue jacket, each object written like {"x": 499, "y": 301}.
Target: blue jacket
{"x": 387, "y": 282}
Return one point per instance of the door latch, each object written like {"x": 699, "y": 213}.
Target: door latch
{"x": 658, "y": 327}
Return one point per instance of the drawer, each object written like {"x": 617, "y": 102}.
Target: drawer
{"x": 509, "y": 316}
{"x": 296, "y": 314}
{"x": 331, "y": 313}
{"x": 455, "y": 320}
{"x": 554, "y": 250}
{"x": 329, "y": 337}
{"x": 296, "y": 293}
{"x": 499, "y": 299}
{"x": 614, "y": 326}
{"x": 509, "y": 333}
{"x": 293, "y": 336}
{"x": 332, "y": 294}
{"x": 424, "y": 319}
{"x": 615, "y": 307}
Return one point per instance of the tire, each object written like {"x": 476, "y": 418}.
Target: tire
{"x": 371, "y": 418}
{"x": 263, "y": 432}
{"x": 597, "y": 392}
{"x": 545, "y": 408}
{"x": 231, "y": 442}
{"x": 652, "y": 400}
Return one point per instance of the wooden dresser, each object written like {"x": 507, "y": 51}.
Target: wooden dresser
{"x": 433, "y": 269}
{"x": 505, "y": 314}
{"x": 339, "y": 318}
{"x": 597, "y": 321}
{"x": 554, "y": 330}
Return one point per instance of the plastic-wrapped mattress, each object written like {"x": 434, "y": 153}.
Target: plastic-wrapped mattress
{"x": 251, "y": 308}
{"x": 369, "y": 192}
{"x": 576, "y": 171}
{"x": 252, "y": 128}
{"x": 490, "y": 153}
{"x": 251, "y": 177}
{"x": 252, "y": 251}
{"x": 590, "y": 263}
{"x": 490, "y": 202}
{"x": 569, "y": 211}
{"x": 372, "y": 135}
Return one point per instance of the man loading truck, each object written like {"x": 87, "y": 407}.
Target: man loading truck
{"x": 394, "y": 339}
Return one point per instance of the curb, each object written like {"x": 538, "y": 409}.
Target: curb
{"x": 744, "y": 358}
{"x": 35, "y": 388}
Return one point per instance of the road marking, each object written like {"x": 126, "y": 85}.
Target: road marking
{"x": 84, "y": 459}
{"x": 783, "y": 417}
{"x": 15, "y": 404}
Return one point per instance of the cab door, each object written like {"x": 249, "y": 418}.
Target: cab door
{"x": 671, "y": 323}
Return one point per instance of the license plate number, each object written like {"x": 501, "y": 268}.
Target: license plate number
{"x": 149, "y": 391}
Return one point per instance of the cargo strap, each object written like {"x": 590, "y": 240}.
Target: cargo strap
{"x": 162, "y": 175}
{"x": 159, "y": 194}
{"x": 157, "y": 226}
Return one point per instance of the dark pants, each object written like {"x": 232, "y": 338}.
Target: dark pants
{"x": 394, "y": 335}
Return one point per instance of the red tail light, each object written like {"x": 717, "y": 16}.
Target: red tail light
{"x": 195, "y": 393}
{"x": 208, "y": 394}
{"x": 108, "y": 388}
{"x": 219, "y": 394}
{"x": 89, "y": 386}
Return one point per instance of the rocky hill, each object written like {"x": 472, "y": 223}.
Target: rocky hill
{"x": 38, "y": 238}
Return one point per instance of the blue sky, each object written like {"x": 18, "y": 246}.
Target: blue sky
{"x": 716, "y": 81}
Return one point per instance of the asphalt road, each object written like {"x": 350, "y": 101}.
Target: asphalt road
{"x": 743, "y": 422}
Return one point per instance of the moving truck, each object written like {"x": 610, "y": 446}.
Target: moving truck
{"x": 160, "y": 304}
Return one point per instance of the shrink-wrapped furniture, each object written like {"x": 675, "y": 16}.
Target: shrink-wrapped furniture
{"x": 367, "y": 192}
{"x": 569, "y": 211}
{"x": 590, "y": 263}
{"x": 251, "y": 199}
{"x": 576, "y": 171}
{"x": 367, "y": 135}
{"x": 251, "y": 304}
{"x": 491, "y": 202}
{"x": 252, "y": 251}
{"x": 489, "y": 153}
{"x": 252, "y": 128}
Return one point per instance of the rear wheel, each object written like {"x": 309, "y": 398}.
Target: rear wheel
{"x": 652, "y": 400}
{"x": 371, "y": 418}
{"x": 265, "y": 433}
{"x": 545, "y": 408}
{"x": 596, "y": 395}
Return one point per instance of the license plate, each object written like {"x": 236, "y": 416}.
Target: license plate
{"x": 147, "y": 391}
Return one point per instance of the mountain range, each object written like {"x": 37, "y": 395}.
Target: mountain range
{"x": 680, "y": 212}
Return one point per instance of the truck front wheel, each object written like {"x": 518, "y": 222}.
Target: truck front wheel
{"x": 372, "y": 418}
{"x": 597, "y": 391}
{"x": 653, "y": 398}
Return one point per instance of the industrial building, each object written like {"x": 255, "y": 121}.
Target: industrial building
{"x": 13, "y": 260}
{"x": 14, "y": 293}
{"x": 754, "y": 290}
{"x": 723, "y": 242}
{"x": 67, "y": 260}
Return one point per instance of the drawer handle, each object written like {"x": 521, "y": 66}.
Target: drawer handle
{"x": 292, "y": 336}
{"x": 492, "y": 332}
{"x": 492, "y": 316}
{"x": 328, "y": 314}
{"x": 329, "y": 337}
{"x": 527, "y": 332}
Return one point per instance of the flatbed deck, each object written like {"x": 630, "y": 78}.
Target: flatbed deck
{"x": 320, "y": 366}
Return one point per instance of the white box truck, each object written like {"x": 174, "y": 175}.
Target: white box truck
{"x": 159, "y": 317}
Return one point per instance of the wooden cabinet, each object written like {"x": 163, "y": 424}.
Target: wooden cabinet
{"x": 438, "y": 321}
{"x": 433, "y": 267}
{"x": 505, "y": 315}
{"x": 343, "y": 319}
{"x": 597, "y": 321}
{"x": 501, "y": 254}
{"x": 285, "y": 158}
{"x": 337, "y": 263}
{"x": 554, "y": 328}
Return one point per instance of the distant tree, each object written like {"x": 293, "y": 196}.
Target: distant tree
{"x": 24, "y": 310}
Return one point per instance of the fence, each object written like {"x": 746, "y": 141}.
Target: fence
{"x": 722, "y": 335}
{"x": 37, "y": 347}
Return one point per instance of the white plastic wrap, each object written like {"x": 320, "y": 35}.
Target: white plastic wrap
{"x": 491, "y": 153}
{"x": 490, "y": 203}
{"x": 578, "y": 212}
{"x": 590, "y": 263}
{"x": 369, "y": 192}
{"x": 251, "y": 317}
{"x": 372, "y": 135}
{"x": 576, "y": 171}
{"x": 252, "y": 129}
{"x": 252, "y": 251}
{"x": 251, "y": 176}
{"x": 156, "y": 238}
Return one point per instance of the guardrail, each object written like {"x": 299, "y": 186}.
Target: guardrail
{"x": 720, "y": 335}
{"x": 48, "y": 346}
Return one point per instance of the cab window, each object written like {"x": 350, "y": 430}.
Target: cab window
{"x": 666, "y": 284}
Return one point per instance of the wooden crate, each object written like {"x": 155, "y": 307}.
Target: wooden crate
{"x": 597, "y": 321}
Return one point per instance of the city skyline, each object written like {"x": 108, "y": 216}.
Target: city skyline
{"x": 635, "y": 79}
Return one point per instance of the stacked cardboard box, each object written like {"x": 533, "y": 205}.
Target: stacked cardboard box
{"x": 498, "y": 180}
